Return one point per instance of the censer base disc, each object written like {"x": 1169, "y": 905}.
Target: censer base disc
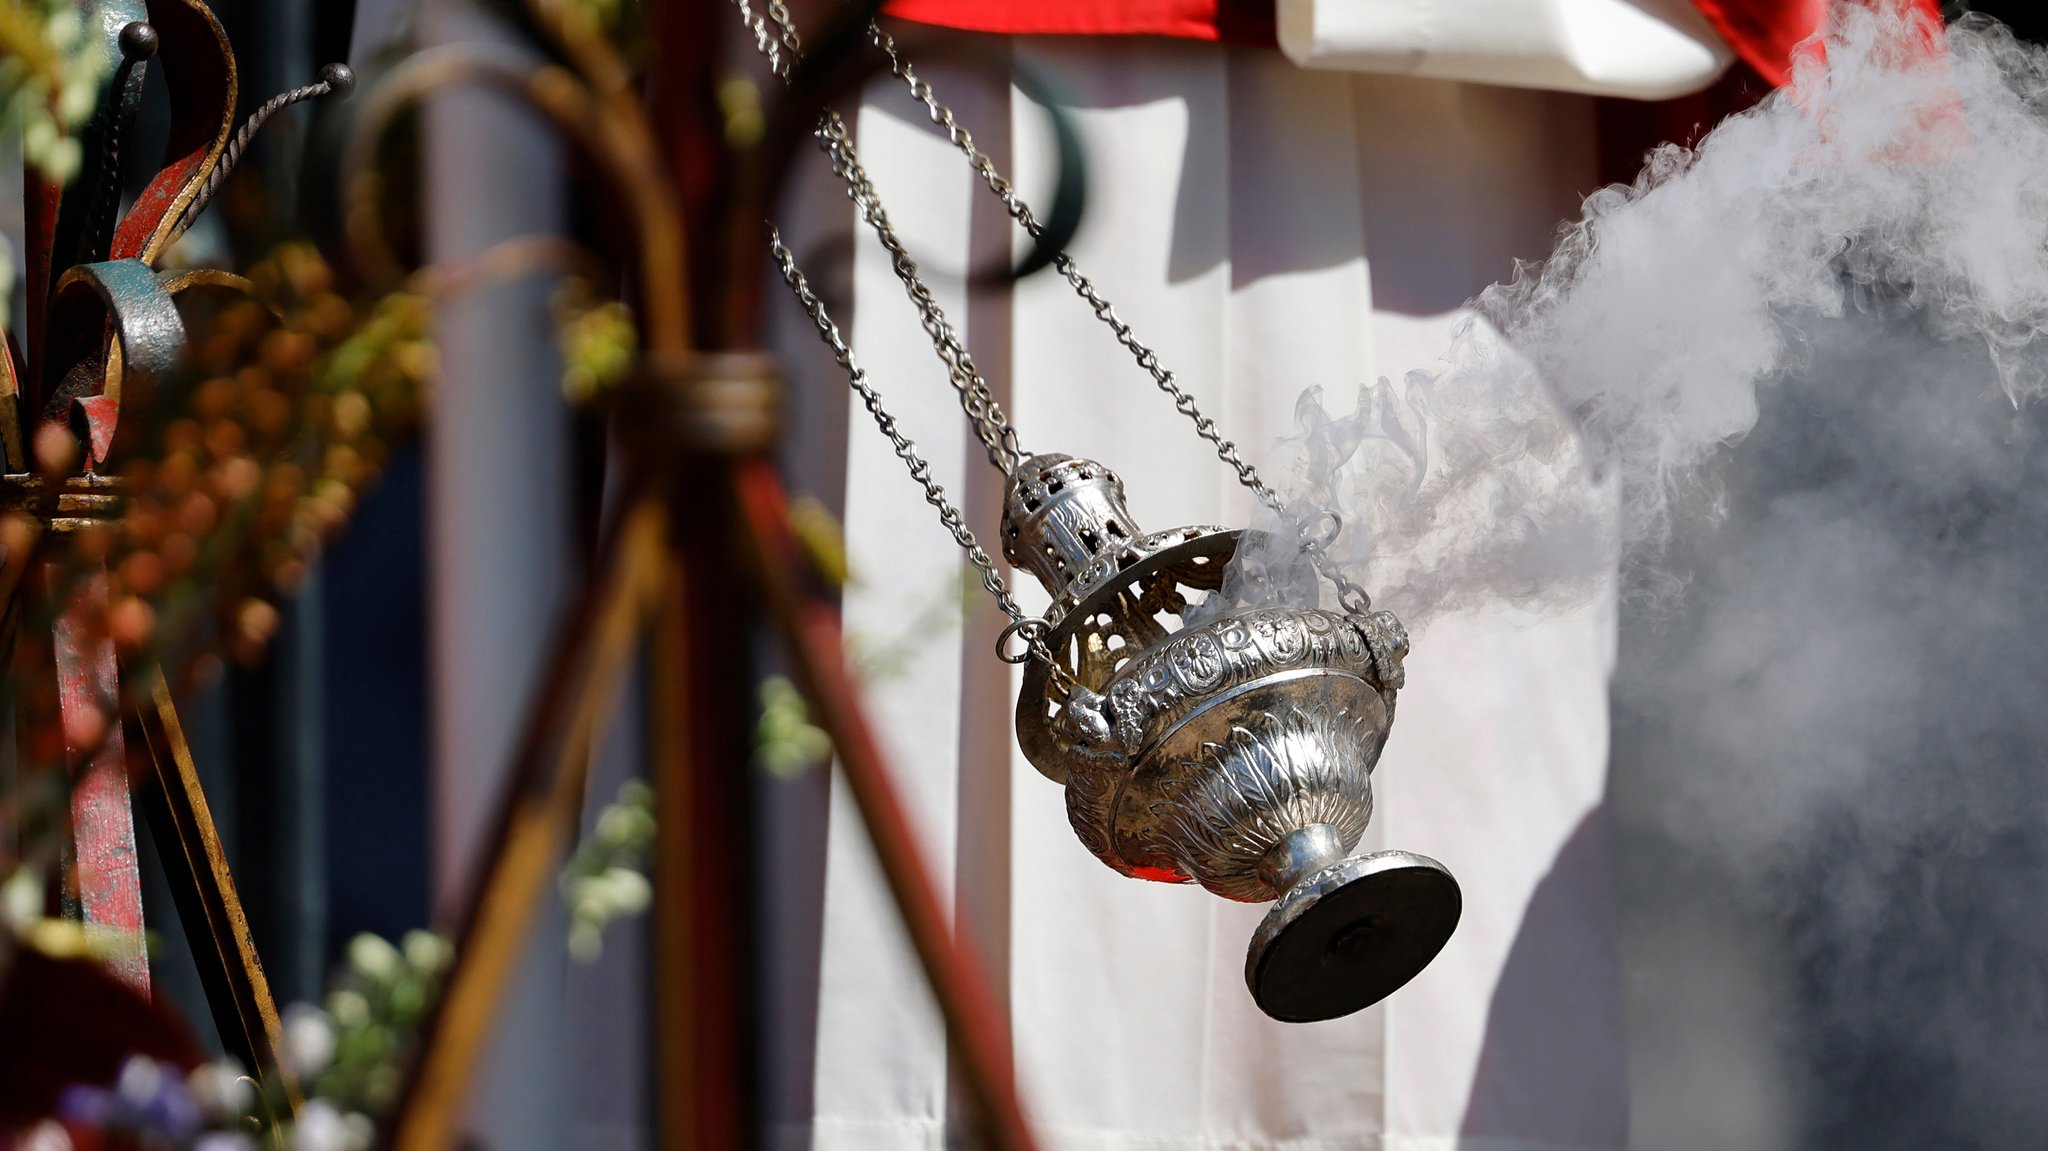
{"x": 1351, "y": 934}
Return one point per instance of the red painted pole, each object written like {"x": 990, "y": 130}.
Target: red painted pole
{"x": 103, "y": 868}
{"x": 979, "y": 1037}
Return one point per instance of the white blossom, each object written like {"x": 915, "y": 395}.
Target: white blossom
{"x": 308, "y": 1040}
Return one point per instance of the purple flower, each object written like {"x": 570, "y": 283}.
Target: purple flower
{"x": 85, "y": 1106}
{"x": 172, "y": 1111}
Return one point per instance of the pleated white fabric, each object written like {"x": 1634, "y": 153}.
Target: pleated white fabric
{"x": 1265, "y": 228}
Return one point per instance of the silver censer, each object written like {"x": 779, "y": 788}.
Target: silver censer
{"x": 1219, "y": 743}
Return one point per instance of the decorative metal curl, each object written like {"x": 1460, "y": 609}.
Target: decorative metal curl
{"x": 595, "y": 107}
{"x": 620, "y": 145}
{"x": 337, "y": 80}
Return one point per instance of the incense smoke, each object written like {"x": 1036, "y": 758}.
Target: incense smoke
{"x": 1574, "y": 416}
{"x": 1785, "y": 382}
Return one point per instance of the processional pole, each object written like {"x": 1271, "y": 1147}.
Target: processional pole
{"x": 703, "y": 542}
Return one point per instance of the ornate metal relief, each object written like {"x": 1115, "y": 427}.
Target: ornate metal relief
{"x": 1208, "y": 741}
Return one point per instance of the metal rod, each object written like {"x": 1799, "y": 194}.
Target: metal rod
{"x": 594, "y": 646}
{"x": 702, "y": 991}
{"x": 979, "y": 1036}
{"x": 237, "y": 989}
{"x": 137, "y": 44}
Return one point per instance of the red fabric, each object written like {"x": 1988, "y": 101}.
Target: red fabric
{"x": 1765, "y": 32}
{"x": 1762, "y": 32}
{"x": 1236, "y": 21}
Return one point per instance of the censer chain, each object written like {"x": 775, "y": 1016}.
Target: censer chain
{"x": 782, "y": 47}
{"x": 1031, "y": 629}
{"x": 1349, "y": 594}
{"x": 781, "y": 44}
{"x": 991, "y": 427}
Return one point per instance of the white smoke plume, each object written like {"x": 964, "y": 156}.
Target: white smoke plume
{"x": 1572, "y": 421}
{"x": 1787, "y": 381}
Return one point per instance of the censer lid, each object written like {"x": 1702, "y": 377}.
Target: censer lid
{"x": 1351, "y": 935}
{"x": 1059, "y": 513}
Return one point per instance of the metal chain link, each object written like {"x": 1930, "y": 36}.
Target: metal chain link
{"x": 991, "y": 427}
{"x": 779, "y": 12}
{"x": 1029, "y": 628}
{"x": 1349, "y": 594}
{"x": 781, "y": 45}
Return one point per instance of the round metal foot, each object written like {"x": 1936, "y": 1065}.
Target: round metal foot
{"x": 1350, "y": 935}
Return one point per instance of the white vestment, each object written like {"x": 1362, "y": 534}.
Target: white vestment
{"x": 1264, "y": 228}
